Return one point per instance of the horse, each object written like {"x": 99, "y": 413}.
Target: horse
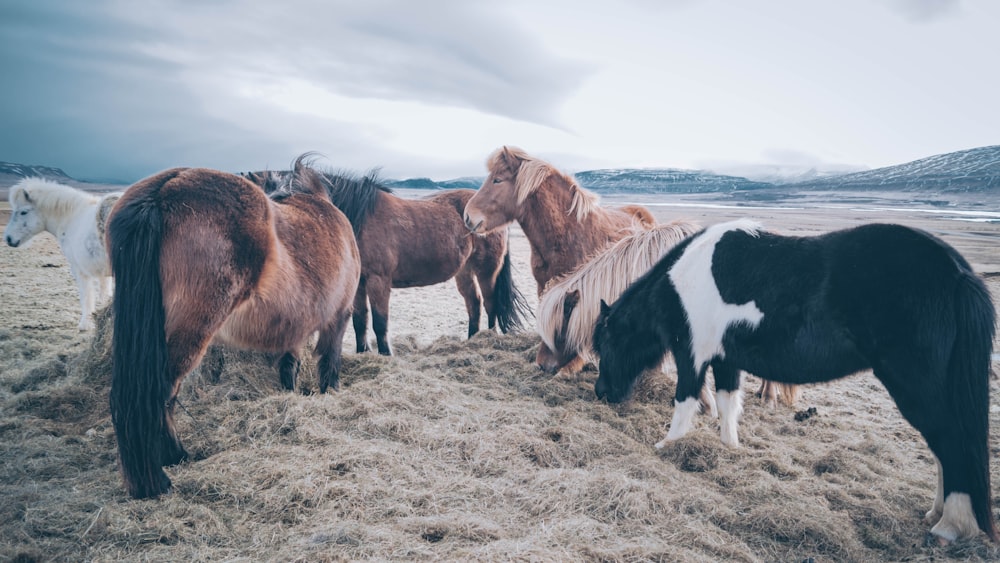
{"x": 563, "y": 222}
{"x": 884, "y": 297}
{"x": 76, "y": 218}
{"x": 420, "y": 242}
{"x": 570, "y": 303}
{"x": 199, "y": 256}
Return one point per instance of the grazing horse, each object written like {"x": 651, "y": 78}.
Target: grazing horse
{"x": 810, "y": 309}
{"x": 570, "y": 304}
{"x": 199, "y": 255}
{"x": 419, "y": 242}
{"x": 563, "y": 222}
{"x": 76, "y": 218}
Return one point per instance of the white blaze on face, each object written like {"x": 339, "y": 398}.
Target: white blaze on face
{"x": 708, "y": 315}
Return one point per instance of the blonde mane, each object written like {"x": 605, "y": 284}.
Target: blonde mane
{"x": 534, "y": 172}
{"x": 605, "y": 276}
{"x": 54, "y": 200}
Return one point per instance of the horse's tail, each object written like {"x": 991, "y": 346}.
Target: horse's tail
{"x": 140, "y": 384}
{"x": 509, "y": 304}
{"x": 969, "y": 373}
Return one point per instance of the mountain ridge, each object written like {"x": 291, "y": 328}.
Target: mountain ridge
{"x": 973, "y": 172}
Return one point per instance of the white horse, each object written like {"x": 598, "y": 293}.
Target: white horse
{"x": 76, "y": 218}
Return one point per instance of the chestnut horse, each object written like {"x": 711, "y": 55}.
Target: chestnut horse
{"x": 419, "y": 242}
{"x": 564, "y": 223}
{"x": 889, "y": 298}
{"x": 199, "y": 255}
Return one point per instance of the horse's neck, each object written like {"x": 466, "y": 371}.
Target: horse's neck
{"x": 558, "y": 240}
{"x": 60, "y": 217}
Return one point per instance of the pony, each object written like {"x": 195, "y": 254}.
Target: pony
{"x": 419, "y": 242}
{"x": 77, "y": 219}
{"x": 564, "y": 223}
{"x": 570, "y": 305}
{"x": 199, "y": 256}
{"x": 884, "y": 297}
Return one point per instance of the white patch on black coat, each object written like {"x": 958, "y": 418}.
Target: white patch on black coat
{"x": 708, "y": 316}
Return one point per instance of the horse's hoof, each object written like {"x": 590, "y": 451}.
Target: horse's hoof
{"x": 934, "y": 540}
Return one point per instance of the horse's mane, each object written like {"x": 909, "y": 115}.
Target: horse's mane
{"x": 605, "y": 276}
{"x": 355, "y": 196}
{"x": 533, "y": 173}
{"x": 54, "y": 199}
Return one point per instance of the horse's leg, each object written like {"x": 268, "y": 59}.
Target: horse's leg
{"x": 933, "y": 516}
{"x": 107, "y": 286}
{"x": 329, "y": 346}
{"x": 730, "y": 401}
{"x": 378, "y": 293}
{"x": 360, "y": 318}
{"x": 185, "y": 351}
{"x": 86, "y": 291}
{"x": 288, "y": 369}
{"x": 945, "y": 424}
{"x": 686, "y": 403}
{"x": 473, "y": 301}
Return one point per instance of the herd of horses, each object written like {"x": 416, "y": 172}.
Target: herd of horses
{"x": 265, "y": 260}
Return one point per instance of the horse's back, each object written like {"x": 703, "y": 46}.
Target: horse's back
{"x": 416, "y": 242}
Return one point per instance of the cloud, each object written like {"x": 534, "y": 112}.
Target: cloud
{"x": 120, "y": 89}
{"x": 922, "y": 11}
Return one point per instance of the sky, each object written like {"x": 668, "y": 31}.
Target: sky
{"x": 120, "y": 89}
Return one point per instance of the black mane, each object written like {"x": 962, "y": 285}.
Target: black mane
{"x": 355, "y": 196}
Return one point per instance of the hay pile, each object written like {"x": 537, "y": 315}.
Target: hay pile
{"x": 460, "y": 450}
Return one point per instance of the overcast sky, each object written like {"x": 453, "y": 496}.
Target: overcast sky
{"x": 119, "y": 89}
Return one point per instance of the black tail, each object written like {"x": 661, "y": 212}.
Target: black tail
{"x": 140, "y": 385}
{"x": 509, "y": 305}
{"x": 969, "y": 369}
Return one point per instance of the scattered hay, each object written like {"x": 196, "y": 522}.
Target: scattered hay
{"x": 452, "y": 449}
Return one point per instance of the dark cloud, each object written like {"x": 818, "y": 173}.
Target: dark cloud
{"x": 117, "y": 90}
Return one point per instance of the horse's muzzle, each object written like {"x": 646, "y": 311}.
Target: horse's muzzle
{"x": 12, "y": 242}
{"x": 470, "y": 226}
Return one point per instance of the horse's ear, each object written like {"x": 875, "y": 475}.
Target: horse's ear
{"x": 571, "y": 299}
{"x": 27, "y": 196}
{"x": 510, "y": 160}
{"x": 604, "y": 309}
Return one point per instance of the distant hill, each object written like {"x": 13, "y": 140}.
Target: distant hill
{"x": 969, "y": 171}
{"x": 26, "y": 170}
{"x": 12, "y": 173}
{"x": 468, "y": 183}
{"x": 669, "y": 180}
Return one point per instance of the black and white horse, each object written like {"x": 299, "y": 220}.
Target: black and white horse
{"x": 812, "y": 309}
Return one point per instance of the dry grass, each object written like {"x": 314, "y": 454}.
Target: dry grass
{"x": 451, "y": 450}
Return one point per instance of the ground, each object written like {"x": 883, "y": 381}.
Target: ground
{"x": 457, "y": 449}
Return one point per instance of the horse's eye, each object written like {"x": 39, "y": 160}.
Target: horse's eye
{"x": 24, "y": 212}
{"x": 497, "y": 180}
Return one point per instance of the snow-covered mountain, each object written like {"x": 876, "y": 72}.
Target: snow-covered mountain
{"x": 969, "y": 171}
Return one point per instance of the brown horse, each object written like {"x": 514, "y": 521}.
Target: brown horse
{"x": 419, "y": 242}
{"x": 564, "y": 223}
{"x": 199, "y": 255}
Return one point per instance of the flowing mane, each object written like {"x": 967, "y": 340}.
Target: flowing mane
{"x": 355, "y": 195}
{"x": 604, "y": 276}
{"x": 534, "y": 172}
{"x": 57, "y": 201}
